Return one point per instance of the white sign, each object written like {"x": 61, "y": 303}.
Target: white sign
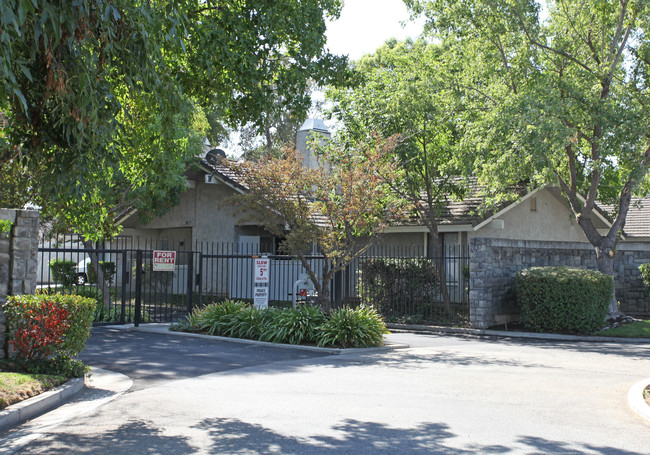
{"x": 164, "y": 261}
{"x": 262, "y": 268}
{"x": 261, "y": 298}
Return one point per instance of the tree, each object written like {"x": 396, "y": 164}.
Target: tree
{"x": 406, "y": 92}
{"x": 560, "y": 100}
{"x": 341, "y": 210}
{"x": 71, "y": 69}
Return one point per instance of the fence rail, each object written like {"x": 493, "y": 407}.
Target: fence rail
{"x": 399, "y": 281}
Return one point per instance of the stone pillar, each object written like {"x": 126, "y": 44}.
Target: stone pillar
{"x": 18, "y": 259}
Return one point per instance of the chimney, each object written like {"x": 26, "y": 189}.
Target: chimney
{"x": 309, "y": 129}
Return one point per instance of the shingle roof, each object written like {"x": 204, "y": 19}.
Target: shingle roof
{"x": 468, "y": 210}
{"x": 637, "y": 222}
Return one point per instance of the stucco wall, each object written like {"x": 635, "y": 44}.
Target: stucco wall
{"x": 200, "y": 209}
{"x": 495, "y": 262}
{"x": 550, "y": 221}
{"x": 18, "y": 259}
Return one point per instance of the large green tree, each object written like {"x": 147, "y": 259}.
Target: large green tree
{"x": 560, "y": 98}
{"x": 406, "y": 90}
{"x": 81, "y": 81}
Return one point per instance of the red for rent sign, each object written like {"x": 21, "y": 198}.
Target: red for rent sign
{"x": 164, "y": 261}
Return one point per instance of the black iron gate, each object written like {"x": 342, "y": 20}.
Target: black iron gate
{"x": 398, "y": 282}
{"x": 132, "y": 291}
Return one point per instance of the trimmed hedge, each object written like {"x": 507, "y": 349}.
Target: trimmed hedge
{"x": 47, "y": 331}
{"x": 109, "y": 269}
{"x": 63, "y": 271}
{"x": 563, "y": 299}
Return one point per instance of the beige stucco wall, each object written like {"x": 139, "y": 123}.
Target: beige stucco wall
{"x": 551, "y": 221}
{"x": 200, "y": 211}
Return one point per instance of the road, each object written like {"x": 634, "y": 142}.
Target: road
{"x": 444, "y": 394}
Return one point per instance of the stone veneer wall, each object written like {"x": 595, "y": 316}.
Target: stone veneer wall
{"x": 18, "y": 259}
{"x": 495, "y": 262}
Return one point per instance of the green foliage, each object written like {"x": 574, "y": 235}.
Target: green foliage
{"x": 109, "y": 269}
{"x": 558, "y": 98}
{"x": 114, "y": 314}
{"x": 103, "y": 100}
{"x": 61, "y": 365}
{"x": 63, "y": 271}
{"x": 390, "y": 283}
{"x": 562, "y": 299}
{"x": 644, "y": 269}
{"x": 293, "y": 326}
{"x": 5, "y": 226}
{"x": 215, "y": 318}
{"x": 353, "y": 327}
{"x": 360, "y": 327}
{"x": 637, "y": 329}
{"x": 75, "y": 316}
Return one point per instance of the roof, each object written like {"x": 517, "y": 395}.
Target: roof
{"x": 637, "y": 222}
{"x": 314, "y": 124}
{"x": 468, "y": 211}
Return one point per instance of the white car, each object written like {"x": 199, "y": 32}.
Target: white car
{"x": 82, "y": 267}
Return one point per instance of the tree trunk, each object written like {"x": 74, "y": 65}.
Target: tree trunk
{"x": 605, "y": 253}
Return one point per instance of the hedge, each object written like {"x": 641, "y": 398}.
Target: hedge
{"x": 563, "y": 299}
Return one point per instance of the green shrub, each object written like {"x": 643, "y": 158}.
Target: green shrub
{"x": 45, "y": 327}
{"x": 358, "y": 327}
{"x": 246, "y": 323}
{"x": 293, "y": 326}
{"x": 393, "y": 284}
{"x": 644, "y": 269}
{"x": 347, "y": 327}
{"x": 215, "y": 318}
{"x": 562, "y": 299}
{"x": 109, "y": 269}
{"x": 63, "y": 271}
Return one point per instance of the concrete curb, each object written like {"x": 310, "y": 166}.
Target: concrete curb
{"x": 163, "y": 328}
{"x": 102, "y": 386}
{"x": 18, "y": 413}
{"x": 636, "y": 401}
{"x": 506, "y": 334}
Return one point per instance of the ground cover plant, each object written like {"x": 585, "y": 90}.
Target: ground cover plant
{"x": 638, "y": 329}
{"x": 15, "y": 387}
{"x": 306, "y": 324}
{"x": 563, "y": 299}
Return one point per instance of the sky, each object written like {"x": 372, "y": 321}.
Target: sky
{"x": 365, "y": 25}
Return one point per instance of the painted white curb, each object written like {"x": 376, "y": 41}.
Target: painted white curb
{"x": 637, "y": 402}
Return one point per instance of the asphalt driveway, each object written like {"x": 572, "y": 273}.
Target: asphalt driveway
{"x": 154, "y": 359}
{"x": 443, "y": 395}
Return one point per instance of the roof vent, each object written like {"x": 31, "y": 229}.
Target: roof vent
{"x": 214, "y": 155}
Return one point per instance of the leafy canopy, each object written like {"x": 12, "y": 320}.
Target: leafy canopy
{"x": 87, "y": 87}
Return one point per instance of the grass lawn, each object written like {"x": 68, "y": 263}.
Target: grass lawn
{"x": 640, "y": 329}
{"x": 15, "y": 387}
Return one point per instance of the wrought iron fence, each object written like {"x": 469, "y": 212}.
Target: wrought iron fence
{"x": 400, "y": 282}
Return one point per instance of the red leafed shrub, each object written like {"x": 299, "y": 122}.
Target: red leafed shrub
{"x": 44, "y": 326}
{"x": 39, "y": 330}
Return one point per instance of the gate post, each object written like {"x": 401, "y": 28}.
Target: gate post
{"x": 138, "y": 289}
{"x": 190, "y": 280}
{"x": 124, "y": 278}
